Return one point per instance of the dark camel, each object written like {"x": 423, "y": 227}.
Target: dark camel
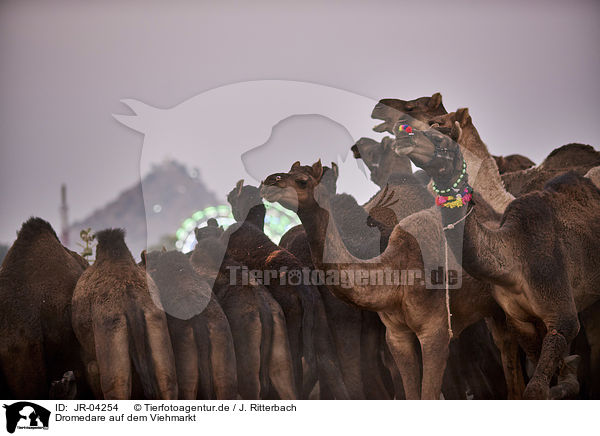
{"x": 37, "y": 345}
{"x": 512, "y": 163}
{"x": 119, "y": 321}
{"x": 540, "y": 255}
{"x": 358, "y": 335}
{"x": 411, "y": 313}
{"x": 571, "y": 157}
{"x": 401, "y": 196}
{"x": 310, "y": 338}
{"x": 258, "y": 327}
{"x": 198, "y": 327}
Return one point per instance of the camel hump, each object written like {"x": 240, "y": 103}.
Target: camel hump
{"x": 34, "y": 226}
{"x": 570, "y": 155}
{"x": 111, "y": 243}
{"x": 566, "y": 182}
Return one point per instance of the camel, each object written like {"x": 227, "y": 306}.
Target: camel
{"x": 413, "y": 315}
{"x": 538, "y": 250}
{"x": 37, "y": 279}
{"x": 310, "y": 338}
{"x": 571, "y": 157}
{"x": 380, "y": 159}
{"x": 392, "y": 110}
{"x": 512, "y": 163}
{"x": 119, "y": 321}
{"x": 357, "y": 334}
{"x": 401, "y": 196}
{"x": 199, "y": 330}
{"x": 258, "y": 327}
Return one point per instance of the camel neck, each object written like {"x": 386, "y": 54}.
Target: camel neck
{"x": 256, "y": 216}
{"x": 327, "y": 248}
{"x": 315, "y": 222}
{"x": 483, "y": 171}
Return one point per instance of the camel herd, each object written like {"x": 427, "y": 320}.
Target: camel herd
{"x": 346, "y": 305}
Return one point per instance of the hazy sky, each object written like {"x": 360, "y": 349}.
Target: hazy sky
{"x": 528, "y": 71}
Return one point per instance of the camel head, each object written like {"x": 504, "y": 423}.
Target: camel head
{"x": 381, "y": 159}
{"x": 242, "y": 199}
{"x": 446, "y": 121}
{"x": 302, "y": 186}
{"x": 210, "y": 249}
{"x": 435, "y": 150}
{"x": 183, "y": 293}
{"x": 391, "y": 110}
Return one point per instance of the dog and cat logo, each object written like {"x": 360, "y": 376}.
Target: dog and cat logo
{"x": 26, "y": 415}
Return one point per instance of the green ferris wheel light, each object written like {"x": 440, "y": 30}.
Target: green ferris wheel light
{"x": 278, "y": 220}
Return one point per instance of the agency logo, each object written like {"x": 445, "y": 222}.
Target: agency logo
{"x": 26, "y": 416}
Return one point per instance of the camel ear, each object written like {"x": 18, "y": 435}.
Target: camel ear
{"x": 143, "y": 256}
{"x": 239, "y": 185}
{"x": 462, "y": 116}
{"x": 435, "y": 101}
{"x": 335, "y": 169}
{"x": 455, "y": 132}
{"x": 386, "y": 141}
{"x": 296, "y": 164}
{"x": 355, "y": 151}
{"x": 212, "y": 223}
{"x": 317, "y": 170}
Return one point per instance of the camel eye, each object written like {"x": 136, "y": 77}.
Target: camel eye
{"x": 277, "y": 178}
{"x": 301, "y": 183}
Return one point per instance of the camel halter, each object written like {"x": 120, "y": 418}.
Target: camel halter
{"x": 450, "y": 227}
{"x": 452, "y": 201}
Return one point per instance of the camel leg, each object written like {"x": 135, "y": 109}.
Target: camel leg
{"x": 527, "y": 336}
{"x": 434, "y": 351}
{"x": 281, "y": 372}
{"x": 555, "y": 346}
{"x": 292, "y": 310}
{"x": 206, "y": 387}
{"x": 509, "y": 352}
{"x": 246, "y": 330}
{"x": 222, "y": 352}
{"x": 161, "y": 354}
{"x": 112, "y": 354}
{"x": 345, "y": 323}
{"x": 186, "y": 357}
{"x": 590, "y": 320}
{"x": 389, "y": 362}
{"x": 371, "y": 357}
{"x": 402, "y": 343}
{"x": 331, "y": 381}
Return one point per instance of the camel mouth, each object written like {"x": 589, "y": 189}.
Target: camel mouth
{"x": 403, "y": 147}
{"x": 271, "y": 193}
{"x": 380, "y": 128}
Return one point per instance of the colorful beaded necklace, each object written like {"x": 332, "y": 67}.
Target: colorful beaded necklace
{"x": 459, "y": 199}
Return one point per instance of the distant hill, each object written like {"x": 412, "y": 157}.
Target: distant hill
{"x": 173, "y": 193}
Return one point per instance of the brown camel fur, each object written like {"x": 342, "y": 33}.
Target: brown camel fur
{"x": 541, "y": 256}
{"x": 357, "y": 334}
{"x": 570, "y": 157}
{"x": 198, "y": 327}
{"x": 392, "y": 110}
{"x": 512, "y": 163}
{"x": 401, "y": 197}
{"x": 119, "y": 321}
{"x": 37, "y": 345}
{"x": 258, "y": 327}
{"x": 381, "y": 161}
{"x": 310, "y": 338}
{"x": 411, "y": 313}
